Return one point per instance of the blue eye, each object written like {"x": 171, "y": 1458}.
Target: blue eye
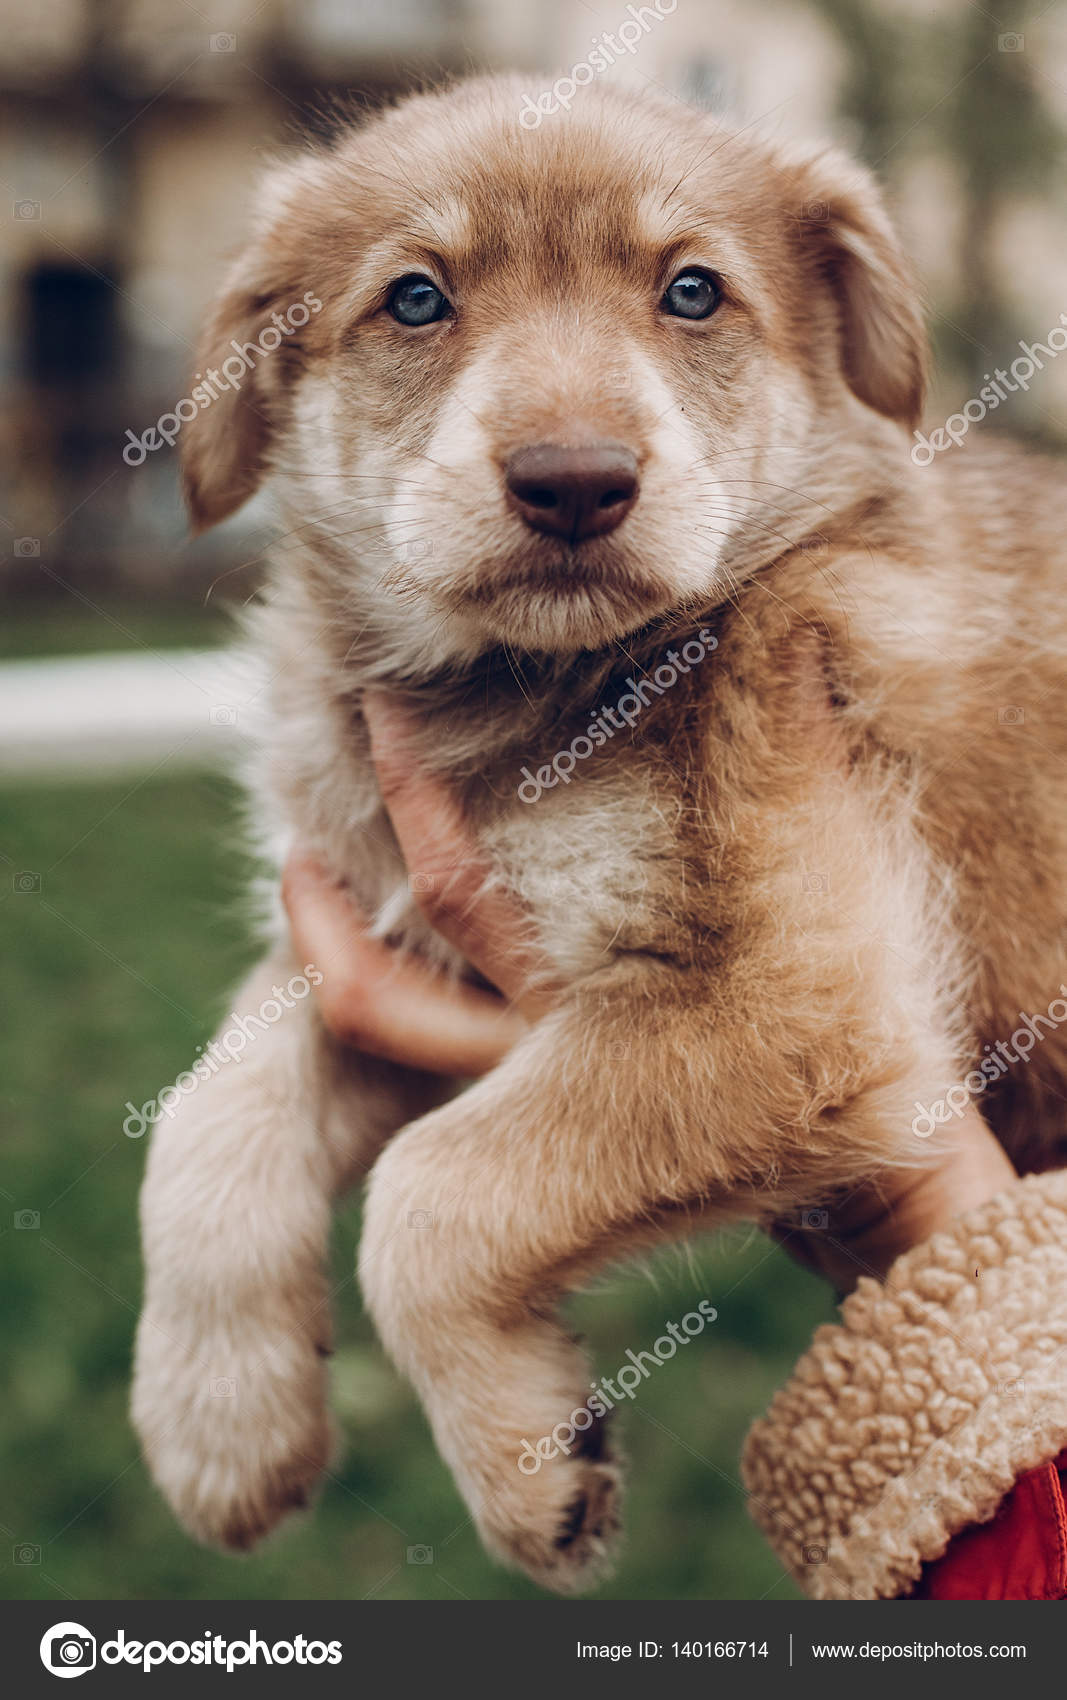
{"x": 693, "y": 295}
{"x": 417, "y": 301}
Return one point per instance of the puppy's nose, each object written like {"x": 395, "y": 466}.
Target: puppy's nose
{"x": 572, "y": 492}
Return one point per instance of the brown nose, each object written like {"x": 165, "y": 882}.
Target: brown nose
{"x": 573, "y": 493}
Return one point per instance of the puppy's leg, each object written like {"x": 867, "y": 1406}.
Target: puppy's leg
{"x": 565, "y": 1158}
{"x": 230, "y": 1382}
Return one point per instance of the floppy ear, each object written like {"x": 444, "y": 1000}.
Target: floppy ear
{"x": 245, "y": 365}
{"x": 882, "y": 335}
{"x": 224, "y": 447}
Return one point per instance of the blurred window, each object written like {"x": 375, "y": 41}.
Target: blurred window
{"x": 70, "y": 325}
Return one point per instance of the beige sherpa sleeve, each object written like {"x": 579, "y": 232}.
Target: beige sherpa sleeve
{"x": 913, "y": 1417}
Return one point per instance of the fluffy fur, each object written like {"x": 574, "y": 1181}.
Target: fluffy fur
{"x": 771, "y": 947}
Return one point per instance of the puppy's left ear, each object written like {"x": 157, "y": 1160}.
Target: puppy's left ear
{"x": 847, "y": 230}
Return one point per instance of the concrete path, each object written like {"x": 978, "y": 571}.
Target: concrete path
{"x": 86, "y": 716}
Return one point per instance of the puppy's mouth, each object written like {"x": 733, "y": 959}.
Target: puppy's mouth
{"x": 561, "y": 598}
{"x": 566, "y": 571}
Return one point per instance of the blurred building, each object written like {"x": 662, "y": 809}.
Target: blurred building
{"x": 130, "y": 131}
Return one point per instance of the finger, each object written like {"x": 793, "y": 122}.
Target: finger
{"x": 970, "y": 1167}
{"x": 454, "y": 884}
{"x": 382, "y": 1002}
{"x": 869, "y": 1229}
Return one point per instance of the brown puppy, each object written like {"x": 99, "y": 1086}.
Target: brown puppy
{"x": 584, "y": 425}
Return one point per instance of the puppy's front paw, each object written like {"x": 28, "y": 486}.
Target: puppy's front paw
{"x": 560, "y": 1525}
{"x": 234, "y": 1425}
{"x": 532, "y": 1461}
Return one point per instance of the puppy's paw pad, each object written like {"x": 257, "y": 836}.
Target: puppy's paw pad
{"x": 589, "y": 1526}
{"x": 570, "y": 1528}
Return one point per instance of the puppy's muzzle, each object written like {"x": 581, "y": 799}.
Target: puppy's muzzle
{"x": 572, "y": 493}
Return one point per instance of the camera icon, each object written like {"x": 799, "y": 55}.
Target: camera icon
{"x": 814, "y": 545}
{"x": 421, "y": 1219}
{"x": 68, "y": 1649}
{"x": 27, "y": 1220}
{"x": 621, "y": 378}
{"x": 223, "y": 715}
{"x": 26, "y": 881}
{"x": 26, "y": 1554}
{"x": 223, "y": 1387}
{"x": 810, "y": 1219}
{"x": 815, "y": 1555}
{"x": 619, "y": 1049}
{"x": 1011, "y": 716}
{"x": 26, "y": 548}
{"x": 420, "y": 882}
{"x": 816, "y": 884}
{"x": 419, "y": 549}
{"x": 223, "y": 44}
{"x": 420, "y": 1555}
{"x": 817, "y": 212}
{"x": 26, "y": 210}
{"x": 1010, "y": 43}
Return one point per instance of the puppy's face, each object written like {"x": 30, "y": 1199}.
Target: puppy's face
{"x": 554, "y": 382}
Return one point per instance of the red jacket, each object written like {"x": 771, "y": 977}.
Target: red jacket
{"x": 1020, "y": 1555}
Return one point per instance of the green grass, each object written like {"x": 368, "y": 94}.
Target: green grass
{"x": 72, "y": 625}
{"x": 115, "y": 969}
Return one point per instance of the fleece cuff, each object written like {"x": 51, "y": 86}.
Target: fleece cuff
{"x": 914, "y": 1416}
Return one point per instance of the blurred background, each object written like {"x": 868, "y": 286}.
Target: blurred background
{"x": 130, "y": 132}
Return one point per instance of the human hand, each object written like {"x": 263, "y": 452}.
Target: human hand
{"x": 395, "y": 1006}
{"x": 867, "y": 1231}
